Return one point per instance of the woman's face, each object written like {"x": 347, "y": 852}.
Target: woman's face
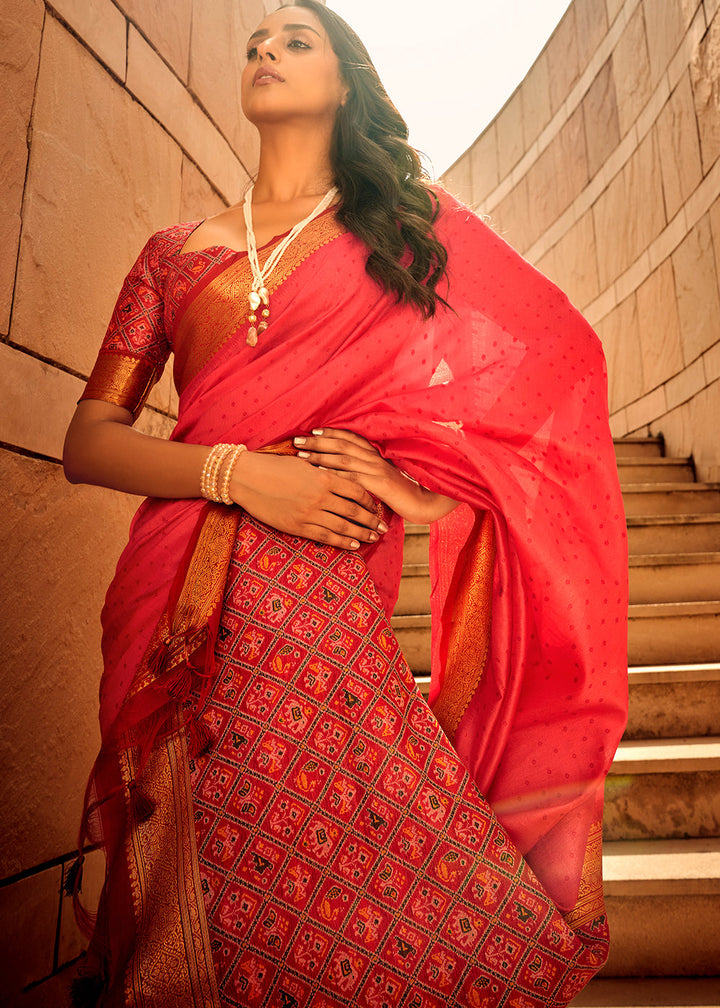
{"x": 292, "y": 70}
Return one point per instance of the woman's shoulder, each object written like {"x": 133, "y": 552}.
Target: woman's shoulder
{"x": 170, "y": 240}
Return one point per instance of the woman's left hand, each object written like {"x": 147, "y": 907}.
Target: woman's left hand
{"x": 359, "y": 460}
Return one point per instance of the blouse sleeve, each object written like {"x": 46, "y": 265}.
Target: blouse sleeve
{"x": 135, "y": 349}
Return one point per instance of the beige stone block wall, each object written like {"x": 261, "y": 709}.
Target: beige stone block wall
{"x": 124, "y": 118}
{"x": 615, "y": 195}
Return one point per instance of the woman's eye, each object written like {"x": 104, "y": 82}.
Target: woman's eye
{"x": 297, "y": 44}
{"x": 252, "y": 53}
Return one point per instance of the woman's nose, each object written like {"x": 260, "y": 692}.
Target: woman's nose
{"x": 266, "y": 50}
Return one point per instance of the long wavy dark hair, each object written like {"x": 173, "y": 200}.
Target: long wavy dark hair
{"x": 385, "y": 196}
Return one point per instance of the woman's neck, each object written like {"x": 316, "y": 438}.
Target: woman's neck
{"x": 292, "y": 165}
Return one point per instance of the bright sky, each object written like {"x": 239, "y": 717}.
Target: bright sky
{"x": 450, "y": 65}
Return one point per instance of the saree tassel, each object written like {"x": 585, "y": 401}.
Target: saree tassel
{"x": 200, "y": 738}
{"x": 180, "y": 682}
{"x": 73, "y": 879}
{"x": 86, "y": 991}
{"x": 142, "y": 806}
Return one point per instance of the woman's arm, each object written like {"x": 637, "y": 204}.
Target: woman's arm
{"x": 343, "y": 451}
{"x": 101, "y": 448}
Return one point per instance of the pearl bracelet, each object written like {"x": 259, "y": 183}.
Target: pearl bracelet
{"x": 212, "y": 468}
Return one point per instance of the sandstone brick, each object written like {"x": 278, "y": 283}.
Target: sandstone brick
{"x": 572, "y": 265}
{"x": 659, "y": 328}
{"x": 38, "y": 402}
{"x": 20, "y": 36}
{"x": 509, "y": 125}
{"x": 458, "y": 179}
{"x": 197, "y": 197}
{"x": 679, "y": 147}
{"x": 619, "y": 335}
{"x": 167, "y": 27}
{"x": 102, "y": 177}
{"x": 510, "y": 217}
{"x": 705, "y": 77}
{"x": 61, "y": 545}
{"x": 28, "y": 910}
{"x": 484, "y": 165}
{"x": 629, "y": 215}
{"x": 696, "y": 289}
{"x": 646, "y": 411}
{"x": 668, "y": 240}
{"x": 591, "y": 27}
{"x": 665, "y": 25}
{"x": 558, "y": 176}
{"x": 535, "y": 91}
{"x": 691, "y": 429}
{"x": 101, "y": 26}
{"x": 602, "y": 129}
{"x": 711, "y": 363}
{"x": 562, "y": 59}
{"x": 686, "y": 384}
{"x": 711, "y": 8}
{"x": 618, "y": 424}
{"x": 159, "y": 90}
{"x": 217, "y": 56}
{"x": 71, "y": 941}
{"x": 631, "y": 71}
{"x": 613, "y": 9}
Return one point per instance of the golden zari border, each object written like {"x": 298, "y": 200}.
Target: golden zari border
{"x": 590, "y": 897}
{"x": 121, "y": 379}
{"x": 470, "y": 634}
{"x": 172, "y": 961}
{"x": 184, "y": 630}
{"x": 220, "y": 309}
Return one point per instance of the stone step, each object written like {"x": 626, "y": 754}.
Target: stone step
{"x": 674, "y": 701}
{"x": 669, "y": 577}
{"x": 684, "y": 533}
{"x": 666, "y": 701}
{"x": 645, "y": 447}
{"x": 674, "y": 577}
{"x": 658, "y": 633}
{"x": 674, "y": 632}
{"x": 670, "y": 498}
{"x": 663, "y": 905}
{"x": 417, "y": 544}
{"x": 655, "y": 470}
{"x": 663, "y": 789}
{"x": 637, "y": 992}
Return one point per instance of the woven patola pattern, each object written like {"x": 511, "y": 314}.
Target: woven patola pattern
{"x": 346, "y": 859}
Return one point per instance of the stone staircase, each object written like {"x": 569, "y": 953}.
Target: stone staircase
{"x": 662, "y": 820}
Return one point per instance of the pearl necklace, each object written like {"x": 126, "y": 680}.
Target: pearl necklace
{"x": 259, "y": 294}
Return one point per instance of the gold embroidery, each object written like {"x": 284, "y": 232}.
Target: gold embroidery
{"x": 590, "y": 896}
{"x": 470, "y": 634}
{"x": 220, "y": 309}
{"x": 172, "y": 961}
{"x": 185, "y": 629}
{"x": 121, "y": 379}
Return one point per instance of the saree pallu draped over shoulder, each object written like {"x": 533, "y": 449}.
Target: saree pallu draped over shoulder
{"x": 286, "y": 820}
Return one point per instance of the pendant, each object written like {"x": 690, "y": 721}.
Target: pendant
{"x": 254, "y": 299}
{"x": 264, "y": 296}
{"x": 252, "y": 336}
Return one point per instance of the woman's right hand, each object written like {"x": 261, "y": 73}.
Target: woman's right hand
{"x": 293, "y": 496}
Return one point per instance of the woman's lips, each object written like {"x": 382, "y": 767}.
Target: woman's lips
{"x": 266, "y": 76}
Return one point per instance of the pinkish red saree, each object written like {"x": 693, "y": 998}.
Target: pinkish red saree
{"x": 286, "y": 821}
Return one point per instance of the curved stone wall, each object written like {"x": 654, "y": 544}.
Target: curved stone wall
{"x": 120, "y": 117}
{"x": 602, "y": 169}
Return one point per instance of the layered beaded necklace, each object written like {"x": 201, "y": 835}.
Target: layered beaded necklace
{"x": 258, "y": 298}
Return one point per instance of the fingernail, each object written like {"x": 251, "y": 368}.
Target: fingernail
{"x": 303, "y": 454}
{"x": 374, "y": 537}
{"x": 318, "y": 433}
{"x": 299, "y": 440}
{"x": 382, "y": 527}
{"x": 354, "y": 544}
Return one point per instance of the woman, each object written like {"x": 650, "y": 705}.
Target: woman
{"x": 285, "y": 821}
